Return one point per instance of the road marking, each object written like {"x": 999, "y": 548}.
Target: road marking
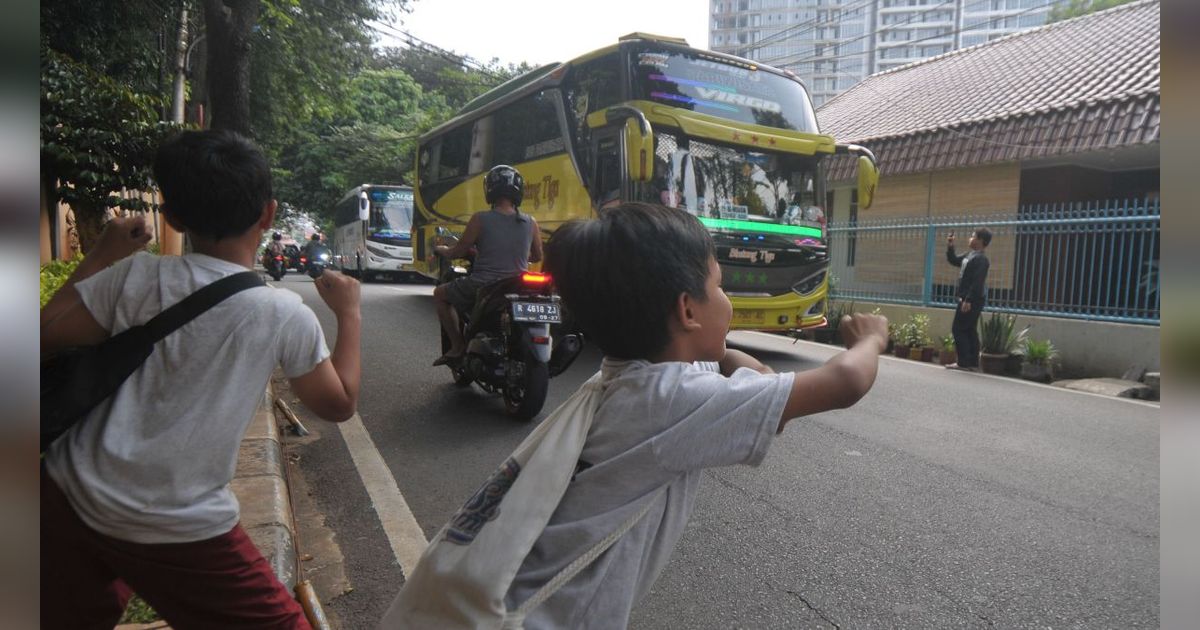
{"x": 941, "y": 368}
{"x": 402, "y": 531}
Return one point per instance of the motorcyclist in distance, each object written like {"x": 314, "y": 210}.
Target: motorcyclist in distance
{"x": 274, "y": 248}
{"x": 506, "y": 241}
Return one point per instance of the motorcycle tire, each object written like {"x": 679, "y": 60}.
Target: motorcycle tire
{"x": 524, "y": 401}
{"x": 457, "y": 372}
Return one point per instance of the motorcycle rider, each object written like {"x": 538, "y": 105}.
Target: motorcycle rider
{"x": 274, "y": 248}
{"x": 311, "y": 246}
{"x": 506, "y": 241}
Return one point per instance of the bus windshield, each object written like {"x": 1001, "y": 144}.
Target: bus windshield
{"x": 693, "y": 81}
{"x": 740, "y": 189}
{"x": 391, "y": 216}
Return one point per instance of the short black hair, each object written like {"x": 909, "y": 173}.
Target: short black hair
{"x": 214, "y": 183}
{"x": 621, "y": 274}
{"x": 984, "y": 235}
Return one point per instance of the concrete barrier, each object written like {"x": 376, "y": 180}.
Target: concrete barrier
{"x": 1086, "y": 348}
{"x": 261, "y": 488}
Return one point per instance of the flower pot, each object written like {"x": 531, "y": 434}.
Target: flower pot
{"x": 993, "y": 363}
{"x": 927, "y": 354}
{"x": 1012, "y": 365}
{"x": 1035, "y": 372}
{"x": 914, "y": 353}
{"x": 946, "y": 357}
{"x": 900, "y": 350}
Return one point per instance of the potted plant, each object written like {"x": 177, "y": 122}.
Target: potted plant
{"x": 947, "y": 354}
{"x": 998, "y": 340}
{"x": 920, "y": 347}
{"x": 899, "y": 334}
{"x": 833, "y": 316}
{"x": 1039, "y": 360}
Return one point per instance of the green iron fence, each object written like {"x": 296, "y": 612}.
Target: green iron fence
{"x": 1095, "y": 261}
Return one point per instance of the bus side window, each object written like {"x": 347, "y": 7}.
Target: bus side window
{"x": 527, "y": 130}
{"x": 455, "y": 154}
{"x": 591, "y": 86}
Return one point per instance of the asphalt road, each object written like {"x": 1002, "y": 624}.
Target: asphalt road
{"x": 942, "y": 500}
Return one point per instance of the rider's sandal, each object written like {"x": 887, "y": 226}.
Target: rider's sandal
{"x": 447, "y": 359}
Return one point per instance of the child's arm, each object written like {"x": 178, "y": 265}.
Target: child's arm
{"x": 845, "y": 378}
{"x": 331, "y": 389}
{"x": 735, "y": 359}
{"x": 64, "y": 322}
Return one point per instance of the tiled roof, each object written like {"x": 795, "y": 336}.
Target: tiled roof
{"x": 1087, "y": 83}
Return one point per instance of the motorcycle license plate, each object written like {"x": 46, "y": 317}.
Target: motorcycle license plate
{"x": 540, "y": 312}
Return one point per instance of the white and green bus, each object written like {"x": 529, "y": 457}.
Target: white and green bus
{"x": 373, "y": 233}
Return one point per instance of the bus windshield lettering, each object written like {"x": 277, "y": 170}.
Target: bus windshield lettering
{"x": 688, "y": 81}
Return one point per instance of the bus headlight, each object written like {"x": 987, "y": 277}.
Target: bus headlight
{"x": 809, "y": 283}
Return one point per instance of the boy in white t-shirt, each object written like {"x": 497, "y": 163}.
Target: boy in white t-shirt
{"x": 136, "y": 496}
{"x": 643, "y": 283}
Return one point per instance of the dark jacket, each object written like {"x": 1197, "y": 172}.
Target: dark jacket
{"x": 972, "y": 277}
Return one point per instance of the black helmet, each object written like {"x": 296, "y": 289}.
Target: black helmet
{"x": 503, "y": 181}
{"x": 316, "y": 237}
{"x": 277, "y": 237}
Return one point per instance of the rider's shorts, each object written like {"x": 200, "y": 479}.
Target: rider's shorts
{"x": 461, "y": 292}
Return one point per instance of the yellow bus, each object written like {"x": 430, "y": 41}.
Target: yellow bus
{"x": 651, "y": 119}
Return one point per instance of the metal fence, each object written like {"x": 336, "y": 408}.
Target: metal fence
{"x": 1088, "y": 261}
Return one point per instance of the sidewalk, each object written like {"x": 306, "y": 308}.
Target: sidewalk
{"x": 260, "y": 484}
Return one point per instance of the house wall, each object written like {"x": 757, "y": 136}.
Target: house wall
{"x": 897, "y": 257}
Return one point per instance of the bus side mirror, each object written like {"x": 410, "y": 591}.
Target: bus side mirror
{"x": 639, "y": 140}
{"x": 364, "y": 207}
{"x": 639, "y": 152}
{"x": 868, "y": 172}
{"x": 868, "y": 178}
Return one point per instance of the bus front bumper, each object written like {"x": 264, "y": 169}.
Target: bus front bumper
{"x": 778, "y": 313}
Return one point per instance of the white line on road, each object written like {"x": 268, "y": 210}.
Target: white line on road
{"x": 403, "y": 533}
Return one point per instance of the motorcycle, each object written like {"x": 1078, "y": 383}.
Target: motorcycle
{"x": 510, "y": 347}
{"x": 275, "y": 266}
{"x": 319, "y": 258}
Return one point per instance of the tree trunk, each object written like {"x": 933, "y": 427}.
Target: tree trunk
{"x": 229, "y": 25}
{"x": 89, "y": 223}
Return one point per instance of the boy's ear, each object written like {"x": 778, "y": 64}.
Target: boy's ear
{"x": 684, "y": 314}
{"x": 267, "y": 219}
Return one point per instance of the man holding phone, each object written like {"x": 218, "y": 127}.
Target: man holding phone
{"x": 971, "y": 296}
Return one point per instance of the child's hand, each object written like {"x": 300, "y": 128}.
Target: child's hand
{"x": 340, "y": 292}
{"x": 865, "y": 328}
{"x": 121, "y": 237}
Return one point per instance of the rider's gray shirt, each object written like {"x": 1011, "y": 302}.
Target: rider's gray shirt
{"x": 503, "y": 243}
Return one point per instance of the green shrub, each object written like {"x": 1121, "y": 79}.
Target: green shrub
{"x": 947, "y": 342}
{"x": 998, "y": 335}
{"x": 54, "y": 274}
{"x": 917, "y": 331}
{"x": 1040, "y": 352}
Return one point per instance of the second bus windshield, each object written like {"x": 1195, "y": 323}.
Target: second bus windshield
{"x": 391, "y": 215}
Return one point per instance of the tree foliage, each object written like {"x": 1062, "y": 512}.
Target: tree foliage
{"x": 1076, "y": 8}
{"x": 98, "y": 138}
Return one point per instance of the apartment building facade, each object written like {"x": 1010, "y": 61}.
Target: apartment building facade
{"x": 833, "y": 44}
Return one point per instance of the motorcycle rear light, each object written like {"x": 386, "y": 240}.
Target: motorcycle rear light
{"x": 303, "y": 259}
{"x": 279, "y": 258}
{"x": 533, "y": 278}
{"x": 540, "y": 340}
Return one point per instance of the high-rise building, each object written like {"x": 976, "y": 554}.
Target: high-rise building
{"x": 834, "y": 44}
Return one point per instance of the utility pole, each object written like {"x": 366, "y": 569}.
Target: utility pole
{"x": 169, "y": 241}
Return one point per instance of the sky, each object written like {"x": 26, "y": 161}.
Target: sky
{"x": 543, "y": 31}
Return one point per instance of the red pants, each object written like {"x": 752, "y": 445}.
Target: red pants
{"x": 87, "y": 577}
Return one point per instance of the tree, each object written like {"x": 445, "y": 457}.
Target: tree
{"x": 228, "y": 25}
{"x": 98, "y": 138}
{"x": 1076, "y": 8}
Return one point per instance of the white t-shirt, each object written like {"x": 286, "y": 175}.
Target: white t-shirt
{"x": 152, "y": 464}
{"x": 658, "y": 424}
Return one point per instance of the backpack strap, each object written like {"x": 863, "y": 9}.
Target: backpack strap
{"x": 203, "y": 299}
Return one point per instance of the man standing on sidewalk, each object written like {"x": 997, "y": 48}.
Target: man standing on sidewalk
{"x": 971, "y": 295}
{"x": 136, "y": 497}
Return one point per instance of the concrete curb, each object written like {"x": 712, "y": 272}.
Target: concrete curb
{"x": 260, "y": 485}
